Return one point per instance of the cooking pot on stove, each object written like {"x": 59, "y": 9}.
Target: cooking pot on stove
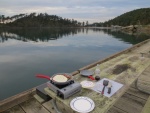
{"x": 58, "y": 79}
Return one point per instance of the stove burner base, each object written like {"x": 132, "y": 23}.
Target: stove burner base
{"x": 67, "y": 91}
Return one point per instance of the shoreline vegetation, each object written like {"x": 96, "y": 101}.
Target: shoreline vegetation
{"x": 136, "y": 30}
{"x": 135, "y": 22}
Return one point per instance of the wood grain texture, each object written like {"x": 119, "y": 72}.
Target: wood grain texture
{"x": 130, "y": 103}
{"x": 33, "y": 106}
{"x": 48, "y": 105}
{"x": 39, "y": 99}
{"x": 17, "y": 99}
{"x": 146, "y": 108}
{"x": 137, "y": 93}
{"x": 115, "y": 110}
{"x": 15, "y": 109}
{"x": 143, "y": 82}
{"x": 64, "y": 109}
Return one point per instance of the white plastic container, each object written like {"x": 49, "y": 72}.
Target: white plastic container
{"x": 97, "y": 70}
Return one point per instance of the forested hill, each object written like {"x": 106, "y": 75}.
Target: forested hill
{"x": 42, "y": 20}
{"x": 138, "y": 16}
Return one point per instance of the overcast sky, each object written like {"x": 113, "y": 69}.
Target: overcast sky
{"x": 81, "y": 10}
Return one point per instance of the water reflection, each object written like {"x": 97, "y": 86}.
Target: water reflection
{"x": 26, "y": 52}
{"x": 45, "y": 34}
{"x": 35, "y": 34}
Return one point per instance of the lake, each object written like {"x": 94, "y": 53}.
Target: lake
{"x": 27, "y": 52}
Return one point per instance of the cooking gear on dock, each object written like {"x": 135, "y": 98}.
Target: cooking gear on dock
{"x": 69, "y": 90}
{"x": 87, "y": 73}
{"x": 62, "y": 84}
{"x": 66, "y": 91}
{"x": 58, "y": 79}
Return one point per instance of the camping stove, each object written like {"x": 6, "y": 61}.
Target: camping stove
{"x": 65, "y": 91}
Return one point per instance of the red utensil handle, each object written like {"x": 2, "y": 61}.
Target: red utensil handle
{"x": 91, "y": 77}
{"x": 42, "y": 76}
{"x": 103, "y": 90}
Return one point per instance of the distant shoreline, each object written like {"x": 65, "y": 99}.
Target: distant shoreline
{"x": 57, "y": 27}
{"x": 138, "y": 29}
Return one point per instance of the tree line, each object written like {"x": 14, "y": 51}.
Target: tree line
{"x": 39, "y": 20}
{"x": 135, "y": 17}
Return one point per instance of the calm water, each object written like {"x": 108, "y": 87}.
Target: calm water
{"x": 27, "y": 52}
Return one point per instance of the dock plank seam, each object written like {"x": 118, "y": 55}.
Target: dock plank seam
{"x": 44, "y": 106}
{"x": 136, "y": 95}
{"x": 119, "y": 109}
{"x": 126, "y": 92}
{"x": 22, "y": 108}
{"x": 35, "y": 106}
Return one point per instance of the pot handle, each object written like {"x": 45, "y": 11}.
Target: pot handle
{"x": 91, "y": 77}
{"x": 42, "y": 76}
{"x": 67, "y": 76}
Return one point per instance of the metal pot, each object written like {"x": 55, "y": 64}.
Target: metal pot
{"x": 67, "y": 75}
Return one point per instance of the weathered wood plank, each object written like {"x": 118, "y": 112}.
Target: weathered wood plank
{"x": 33, "y": 106}
{"x": 144, "y": 86}
{"x": 145, "y": 76}
{"x": 115, "y": 110}
{"x": 137, "y": 93}
{"x": 143, "y": 82}
{"x": 64, "y": 109}
{"x": 15, "y": 109}
{"x": 48, "y": 105}
{"x": 39, "y": 99}
{"x": 146, "y": 108}
{"x": 17, "y": 99}
{"x": 130, "y": 103}
{"x": 133, "y": 85}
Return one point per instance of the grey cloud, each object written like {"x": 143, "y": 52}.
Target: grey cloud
{"x": 92, "y": 10}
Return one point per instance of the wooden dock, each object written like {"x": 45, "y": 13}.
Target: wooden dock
{"x": 132, "y": 98}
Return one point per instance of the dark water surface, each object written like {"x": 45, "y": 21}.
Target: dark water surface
{"x": 27, "y": 52}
